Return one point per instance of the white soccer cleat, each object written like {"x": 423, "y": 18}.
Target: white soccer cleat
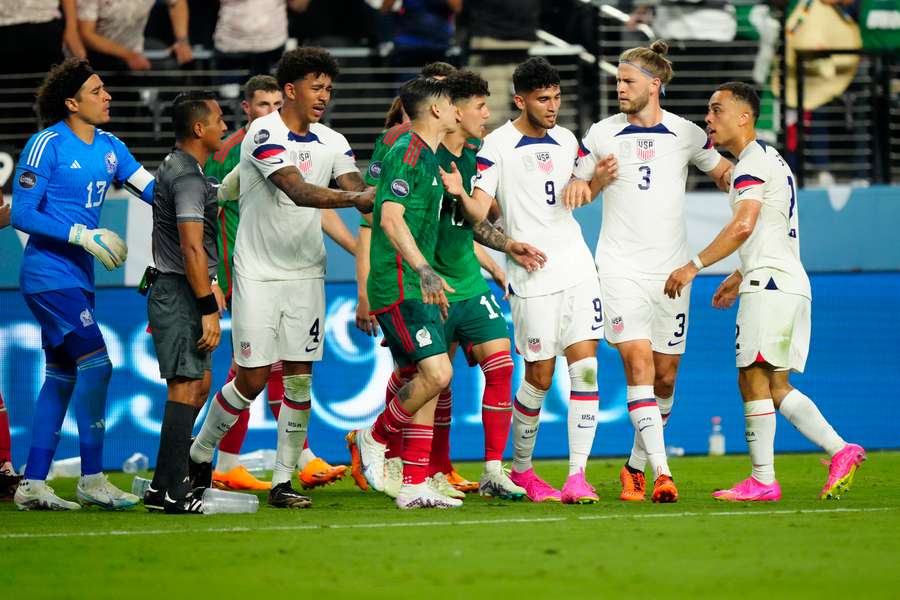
{"x": 439, "y": 483}
{"x": 371, "y": 455}
{"x": 499, "y": 485}
{"x": 33, "y": 494}
{"x": 393, "y": 476}
{"x": 96, "y": 489}
{"x": 422, "y": 495}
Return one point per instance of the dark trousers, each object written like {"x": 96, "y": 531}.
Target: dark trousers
{"x": 35, "y": 46}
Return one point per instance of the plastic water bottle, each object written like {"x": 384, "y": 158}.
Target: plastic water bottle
{"x": 139, "y": 485}
{"x": 135, "y": 463}
{"x": 674, "y": 451}
{"x": 219, "y": 501}
{"x": 716, "y": 438}
{"x": 255, "y": 462}
{"x": 68, "y": 467}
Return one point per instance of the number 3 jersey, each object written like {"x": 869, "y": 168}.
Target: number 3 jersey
{"x": 527, "y": 176}
{"x": 643, "y": 231}
{"x": 770, "y": 257}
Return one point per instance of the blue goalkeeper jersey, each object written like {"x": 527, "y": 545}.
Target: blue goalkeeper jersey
{"x": 61, "y": 181}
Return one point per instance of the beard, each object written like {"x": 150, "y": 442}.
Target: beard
{"x": 636, "y": 105}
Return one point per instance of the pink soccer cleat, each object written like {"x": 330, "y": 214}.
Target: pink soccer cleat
{"x": 578, "y": 491}
{"x": 750, "y": 490}
{"x": 841, "y": 471}
{"x": 536, "y": 488}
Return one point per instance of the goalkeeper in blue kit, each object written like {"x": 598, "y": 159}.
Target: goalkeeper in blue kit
{"x": 61, "y": 181}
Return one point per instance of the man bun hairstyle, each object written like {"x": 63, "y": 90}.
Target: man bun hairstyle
{"x": 260, "y": 83}
{"x": 187, "y": 109}
{"x": 300, "y": 62}
{"x": 63, "y": 81}
{"x": 651, "y": 60}
{"x": 467, "y": 84}
{"x": 416, "y": 94}
{"x": 743, "y": 92}
{"x": 534, "y": 74}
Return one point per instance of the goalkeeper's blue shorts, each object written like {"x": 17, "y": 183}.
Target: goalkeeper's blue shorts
{"x": 65, "y": 311}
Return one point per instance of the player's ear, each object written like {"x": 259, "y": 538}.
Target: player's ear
{"x": 290, "y": 92}
{"x": 71, "y": 104}
{"x": 245, "y": 106}
{"x": 520, "y": 101}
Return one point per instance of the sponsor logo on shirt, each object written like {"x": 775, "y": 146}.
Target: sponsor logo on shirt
{"x": 375, "y": 169}
{"x": 400, "y": 188}
{"x": 261, "y": 136}
{"x": 111, "y": 162}
{"x": 644, "y": 149}
{"x": 87, "y": 319}
{"x": 27, "y": 180}
{"x": 423, "y": 338}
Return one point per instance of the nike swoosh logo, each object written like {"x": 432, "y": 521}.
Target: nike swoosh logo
{"x": 580, "y": 426}
{"x": 645, "y": 427}
{"x": 528, "y": 437}
{"x": 98, "y": 239}
{"x": 313, "y": 349}
{"x": 596, "y": 327}
{"x": 294, "y": 430}
{"x": 676, "y": 343}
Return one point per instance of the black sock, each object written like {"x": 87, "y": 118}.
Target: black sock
{"x": 174, "y": 446}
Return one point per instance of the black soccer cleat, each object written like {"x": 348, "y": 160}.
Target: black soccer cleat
{"x": 200, "y": 474}
{"x": 284, "y": 496}
{"x": 154, "y": 500}
{"x": 191, "y": 504}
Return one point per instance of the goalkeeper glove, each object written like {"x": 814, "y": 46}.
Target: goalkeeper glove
{"x": 106, "y": 245}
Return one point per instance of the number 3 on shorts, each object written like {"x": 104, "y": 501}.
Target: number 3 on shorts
{"x": 492, "y": 314}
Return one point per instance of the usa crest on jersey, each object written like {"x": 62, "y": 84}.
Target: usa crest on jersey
{"x": 644, "y": 149}
{"x": 304, "y": 162}
{"x": 544, "y": 161}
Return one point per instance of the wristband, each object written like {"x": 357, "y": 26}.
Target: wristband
{"x": 208, "y": 305}
{"x": 697, "y": 262}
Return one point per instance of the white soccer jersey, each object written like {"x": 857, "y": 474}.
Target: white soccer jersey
{"x": 527, "y": 176}
{"x": 643, "y": 232}
{"x": 770, "y": 257}
{"x": 278, "y": 240}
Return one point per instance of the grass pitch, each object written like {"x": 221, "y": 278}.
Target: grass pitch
{"x": 355, "y": 544}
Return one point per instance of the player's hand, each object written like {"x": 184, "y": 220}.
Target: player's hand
{"x": 365, "y": 322}
{"x": 606, "y": 171}
{"x": 365, "y": 200}
{"x": 526, "y": 256}
{"x": 433, "y": 287}
{"x": 724, "y": 183}
{"x": 577, "y": 193}
{"x": 679, "y": 279}
{"x": 137, "y": 62}
{"x": 727, "y": 292}
{"x": 209, "y": 341}
{"x": 220, "y": 298}
{"x": 499, "y": 277}
{"x": 453, "y": 183}
{"x": 106, "y": 245}
{"x": 182, "y": 51}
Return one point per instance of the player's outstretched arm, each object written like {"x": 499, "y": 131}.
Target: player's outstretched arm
{"x": 351, "y": 182}
{"x": 289, "y": 181}
{"x": 398, "y": 233}
{"x": 729, "y": 239}
{"x": 526, "y": 255}
{"x": 364, "y": 320}
{"x": 475, "y": 207}
{"x": 333, "y": 225}
{"x": 721, "y": 175}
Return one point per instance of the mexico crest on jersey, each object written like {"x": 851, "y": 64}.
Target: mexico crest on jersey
{"x": 304, "y": 162}
{"x": 644, "y": 149}
{"x": 544, "y": 161}
{"x": 111, "y": 162}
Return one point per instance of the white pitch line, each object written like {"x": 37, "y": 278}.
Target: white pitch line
{"x": 405, "y": 524}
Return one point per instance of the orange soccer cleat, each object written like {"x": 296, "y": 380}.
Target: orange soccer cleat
{"x": 238, "y": 478}
{"x": 634, "y": 486}
{"x": 318, "y": 472}
{"x": 664, "y": 489}
{"x": 356, "y": 467}
{"x": 461, "y": 483}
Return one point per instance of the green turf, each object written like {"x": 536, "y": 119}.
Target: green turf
{"x": 354, "y": 544}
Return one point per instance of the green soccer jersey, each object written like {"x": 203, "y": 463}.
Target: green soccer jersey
{"x": 409, "y": 176}
{"x": 219, "y": 165}
{"x": 384, "y": 143}
{"x": 454, "y": 257}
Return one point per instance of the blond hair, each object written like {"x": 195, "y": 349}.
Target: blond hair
{"x": 651, "y": 60}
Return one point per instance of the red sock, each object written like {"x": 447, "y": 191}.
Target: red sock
{"x": 5, "y": 440}
{"x": 391, "y": 420}
{"x": 234, "y": 439}
{"x": 276, "y": 389}
{"x": 440, "y": 445}
{"x": 397, "y": 380}
{"x": 496, "y": 405}
{"x": 416, "y": 451}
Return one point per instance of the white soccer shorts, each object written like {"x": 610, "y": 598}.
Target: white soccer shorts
{"x": 773, "y": 327}
{"x": 277, "y": 320}
{"x": 638, "y": 309}
{"x": 545, "y": 326}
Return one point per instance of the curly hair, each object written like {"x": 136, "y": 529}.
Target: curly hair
{"x": 63, "y": 81}
{"x": 652, "y": 59}
{"x": 297, "y": 64}
{"x": 534, "y": 74}
{"x": 467, "y": 84}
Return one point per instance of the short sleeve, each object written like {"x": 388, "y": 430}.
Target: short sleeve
{"x": 703, "y": 154}
{"x": 588, "y": 155}
{"x": 345, "y": 159}
{"x": 398, "y": 179}
{"x": 190, "y": 197}
{"x": 266, "y": 151}
{"x": 374, "y": 170}
{"x": 750, "y": 177}
{"x": 88, "y": 10}
{"x": 487, "y": 168}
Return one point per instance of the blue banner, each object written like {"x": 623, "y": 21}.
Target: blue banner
{"x": 853, "y": 360}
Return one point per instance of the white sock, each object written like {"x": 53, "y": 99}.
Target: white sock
{"x": 494, "y": 467}
{"x": 638, "y": 458}
{"x": 223, "y": 412}
{"x": 759, "y": 428}
{"x": 226, "y": 461}
{"x": 647, "y": 422}
{"x": 584, "y": 402}
{"x": 306, "y": 456}
{"x": 526, "y": 417}
{"x": 803, "y": 414}
{"x": 293, "y": 421}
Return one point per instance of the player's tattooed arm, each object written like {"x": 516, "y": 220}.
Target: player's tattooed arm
{"x": 526, "y": 255}
{"x": 301, "y": 193}
{"x": 351, "y": 182}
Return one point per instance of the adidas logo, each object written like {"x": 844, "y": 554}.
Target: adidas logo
{"x": 74, "y": 165}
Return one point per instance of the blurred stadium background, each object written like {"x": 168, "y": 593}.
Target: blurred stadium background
{"x": 836, "y": 117}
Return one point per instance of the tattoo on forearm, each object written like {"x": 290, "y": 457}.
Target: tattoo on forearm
{"x": 431, "y": 281}
{"x": 289, "y": 181}
{"x": 488, "y": 235}
{"x": 352, "y": 182}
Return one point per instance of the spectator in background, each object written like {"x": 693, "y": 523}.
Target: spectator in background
{"x": 37, "y": 33}
{"x": 711, "y": 20}
{"x": 423, "y": 30}
{"x": 113, "y": 31}
{"x": 331, "y": 23}
{"x": 251, "y": 34}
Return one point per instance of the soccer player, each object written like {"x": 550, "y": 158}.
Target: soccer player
{"x": 9, "y": 479}
{"x": 642, "y": 238}
{"x": 773, "y": 319}
{"x": 278, "y": 298}
{"x": 407, "y": 295}
{"x": 524, "y": 165}
{"x": 60, "y": 184}
{"x": 261, "y": 97}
